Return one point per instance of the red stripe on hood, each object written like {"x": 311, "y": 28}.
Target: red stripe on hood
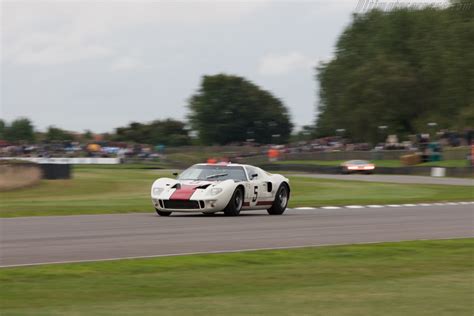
{"x": 184, "y": 192}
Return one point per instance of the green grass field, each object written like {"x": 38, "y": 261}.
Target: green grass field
{"x": 378, "y": 163}
{"x": 406, "y": 278}
{"x": 320, "y": 192}
{"x": 118, "y": 190}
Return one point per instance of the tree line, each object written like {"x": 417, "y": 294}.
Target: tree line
{"x": 166, "y": 132}
{"x": 402, "y": 70}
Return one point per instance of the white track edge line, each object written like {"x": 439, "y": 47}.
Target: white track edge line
{"x": 227, "y": 251}
{"x": 329, "y": 207}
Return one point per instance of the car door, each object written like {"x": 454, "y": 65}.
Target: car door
{"x": 256, "y": 188}
{"x": 266, "y": 193}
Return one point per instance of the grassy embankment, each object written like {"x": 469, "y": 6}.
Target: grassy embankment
{"x": 378, "y": 163}
{"x": 406, "y": 278}
{"x": 117, "y": 190}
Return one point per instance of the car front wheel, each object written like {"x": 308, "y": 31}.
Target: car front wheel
{"x": 162, "y": 213}
{"x": 235, "y": 203}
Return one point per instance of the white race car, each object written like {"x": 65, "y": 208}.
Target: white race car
{"x": 227, "y": 187}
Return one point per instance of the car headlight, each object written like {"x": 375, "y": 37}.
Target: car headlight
{"x": 157, "y": 191}
{"x": 215, "y": 191}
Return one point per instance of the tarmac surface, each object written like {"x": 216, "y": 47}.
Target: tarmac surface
{"x": 392, "y": 178}
{"x": 55, "y": 239}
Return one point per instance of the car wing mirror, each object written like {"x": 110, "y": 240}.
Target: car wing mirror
{"x": 255, "y": 175}
{"x": 175, "y": 174}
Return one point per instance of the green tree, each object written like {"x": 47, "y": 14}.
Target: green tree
{"x": 20, "y": 130}
{"x": 230, "y": 109}
{"x": 403, "y": 69}
{"x": 87, "y": 136}
{"x": 2, "y": 129}
{"x": 305, "y": 134}
{"x": 167, "y": 132}
{"x": 57, "y": 134}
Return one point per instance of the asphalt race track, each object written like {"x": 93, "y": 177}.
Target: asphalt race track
{"x": 35, "y": 240}
{"x": 392, "y": 178}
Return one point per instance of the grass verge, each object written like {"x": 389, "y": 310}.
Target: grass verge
{"x": 104, "y": 191}
{"x": 406, "y": 278}
{"x": 378, "y": 163}
{"x": 322, "y": 192}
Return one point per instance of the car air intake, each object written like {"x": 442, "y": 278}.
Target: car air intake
{"x": 181, "y": 204}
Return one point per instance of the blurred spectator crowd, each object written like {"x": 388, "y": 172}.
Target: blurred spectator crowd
{"x": 125, "y": 150}
{"x": 75, "y": 149}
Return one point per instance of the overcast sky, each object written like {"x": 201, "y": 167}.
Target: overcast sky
{"x": 99, "y": 65}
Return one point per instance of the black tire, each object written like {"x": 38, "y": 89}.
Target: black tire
{"x": 235, "y": 203}
{"x": 162, "y": 213}
{"x": 281, "y": 200}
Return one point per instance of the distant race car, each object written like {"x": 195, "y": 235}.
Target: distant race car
{"x": 227, "y": 187}
{"x": 353, "y": 166}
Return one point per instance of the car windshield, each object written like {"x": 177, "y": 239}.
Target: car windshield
{"x": 213, "y": 173}
{"x": 357, "y": 162}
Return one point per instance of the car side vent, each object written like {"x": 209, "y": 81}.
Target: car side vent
{"x": 203, "y": 186}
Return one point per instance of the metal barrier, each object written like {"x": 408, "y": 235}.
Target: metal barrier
{"x": 52, "y": 171}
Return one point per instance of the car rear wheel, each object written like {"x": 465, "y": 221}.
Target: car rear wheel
{"x": 281, "y": 200}
{"x": 235, "y": 203}
{"x": 162, "y": 213}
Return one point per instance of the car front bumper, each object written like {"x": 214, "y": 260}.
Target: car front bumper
{"x": 206, "y": 205}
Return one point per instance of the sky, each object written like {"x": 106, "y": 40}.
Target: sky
{"x": 98, "y": 65}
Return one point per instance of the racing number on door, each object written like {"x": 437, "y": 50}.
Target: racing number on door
{"x": 255, "y": 192}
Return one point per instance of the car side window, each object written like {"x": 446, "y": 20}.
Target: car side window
{"x": 261, "y": 173}
{"x": 252, "y": 171}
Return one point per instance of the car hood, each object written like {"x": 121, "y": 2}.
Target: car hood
{"x": 196, "y": 182}
{"x": 185, "y": 189}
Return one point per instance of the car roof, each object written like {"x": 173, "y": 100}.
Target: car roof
{"x": 357, "y": 161}
{"x": 230, "y": 164}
